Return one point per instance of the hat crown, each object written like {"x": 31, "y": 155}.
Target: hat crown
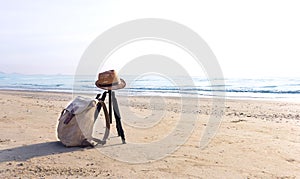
{"x": 108, "y": 77}
{"x": 109, "y": 80}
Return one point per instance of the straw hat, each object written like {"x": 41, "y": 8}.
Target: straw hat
{"x": 109, "y": 80}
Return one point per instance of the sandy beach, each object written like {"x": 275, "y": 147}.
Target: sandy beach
{"x": 256, "y": 139}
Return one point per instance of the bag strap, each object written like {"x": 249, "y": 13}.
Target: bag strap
{"x": 68, "y": 118}
{"x": 94, "y": 141}
{"x": 107, "y": 121}
{"x": 106, "y": 115}
{"x": 100, "y": 105}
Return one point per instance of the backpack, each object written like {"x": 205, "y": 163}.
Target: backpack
{"x": 76, "y": 122}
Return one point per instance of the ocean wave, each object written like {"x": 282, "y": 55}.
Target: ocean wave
{"x": 277, "y": 88}
{"x": 40, "y": 85}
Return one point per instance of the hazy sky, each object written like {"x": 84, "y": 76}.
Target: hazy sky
{"x": 249, "y": 38}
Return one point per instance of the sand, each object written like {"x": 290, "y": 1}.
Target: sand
{"x": 256, "y": 139}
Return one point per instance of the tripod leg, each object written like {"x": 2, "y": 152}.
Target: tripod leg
{"x": 109, "y": 106}
{"x": 118, "y": 117}
{"x": 99, "y": 105}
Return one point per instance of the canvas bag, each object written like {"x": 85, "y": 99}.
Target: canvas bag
{"x": 76, "y": 122}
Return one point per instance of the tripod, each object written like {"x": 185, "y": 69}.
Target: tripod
{"x": 113, "y": 105}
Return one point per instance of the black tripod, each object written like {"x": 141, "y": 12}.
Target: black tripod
{"x": 113, "y": 103}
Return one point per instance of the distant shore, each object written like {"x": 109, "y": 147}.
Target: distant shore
{"x": 256, "y": 139}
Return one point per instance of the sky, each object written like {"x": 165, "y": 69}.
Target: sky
{"x": 258, "y": 38}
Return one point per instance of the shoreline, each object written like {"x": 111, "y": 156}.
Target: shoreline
{"x": 288, "y": 100}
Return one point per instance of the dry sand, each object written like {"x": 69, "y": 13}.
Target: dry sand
{"x": 256, "y": 139}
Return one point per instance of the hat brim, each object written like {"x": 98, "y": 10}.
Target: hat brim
{"x": 120, "y": 85}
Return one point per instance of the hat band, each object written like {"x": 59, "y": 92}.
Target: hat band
{"x": 108, "y": 85}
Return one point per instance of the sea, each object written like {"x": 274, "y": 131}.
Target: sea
{"x": 275, "y": 88}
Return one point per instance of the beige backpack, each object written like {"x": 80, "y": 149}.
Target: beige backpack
{"x": 76, "y": 122}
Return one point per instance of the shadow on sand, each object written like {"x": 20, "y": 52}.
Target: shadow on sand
{"x": 35, "y": 150}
